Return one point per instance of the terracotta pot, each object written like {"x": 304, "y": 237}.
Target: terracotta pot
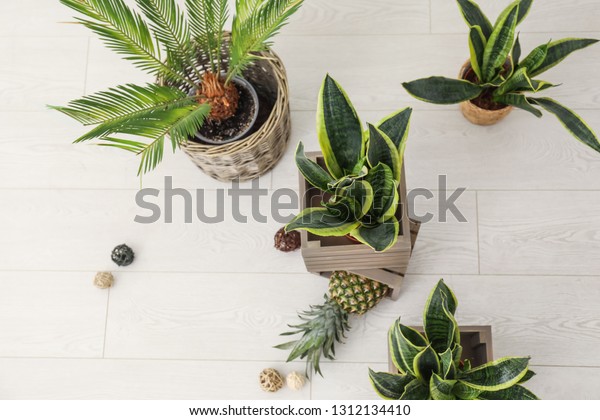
{"x": 478, "y": 115}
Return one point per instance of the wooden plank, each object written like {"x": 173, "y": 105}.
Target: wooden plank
{"x": 32, "y": 77}
{"x": 520, "y": 153}
{"x": 27, "y": 18}
{"x": 186, "y": 316}
{"x": 539, "y": 232}
{"x": 346, "y": 380}
{"x": 33, "y": 160}
{"x": 445, "y": 245}
{"x": 356, "y": 17}
{"x": 351, "y": 381}
{"x": 386, "y": 61}
{"x": 547, "y": 15}
{"x": 73, "y": 379}
{"x": 51, "y": 314}
{"x": 77, "y": 229}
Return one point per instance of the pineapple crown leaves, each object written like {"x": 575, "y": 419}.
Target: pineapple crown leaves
{"x": 430, "y": 367}
{"x": 363, "y": 169}
{"x": 325, "y": 325}
{"x": 495, "y": 60}
{"x": 172, "y": 44}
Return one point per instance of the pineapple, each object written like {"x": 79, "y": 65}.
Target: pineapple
{"x": 355, "y": 294}
{"x": 326, "y": 324}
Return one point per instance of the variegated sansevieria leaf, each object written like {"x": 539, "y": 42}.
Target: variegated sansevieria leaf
{"x": 442, "y": 90}
{"x": 447, "y": 363}
{"x": 381, "y": 149}
{"x": 559, "y": 50}
{"x": 530, "y": 374}
{"x": 346, "y": 208}
{"x": 388, "y": 385}
{"x": 524, "y": 8}
{"x": 385, "y": 192}
{"x": 425, "y": 364}
{"x": 320, "y": 221}
{"x": 535, "y": 58}
{"x": 360, "y": 191}
{"x": 338, "y": 129}
{"x": 499, "y": 374}
{"x": 405, "y": 343}
{"x": 440, "y": 326}
{"x": 464, "y": 392}
{"x": 311, "y": 171}
{"x": 520, "y": 101}
{"x": 500, "y": 43}
{"x": 416, "y": 390}
{"x": 516, "y": 83}
{"x": 475, "y": 17}
{"x": 477, "y": 43}
{"x": 396, "y": 127}
{"x": 573, "y": 122}
{"x": 440, "y": 388}
{"x": 391, "y": 207}
{"x": 515, "y": 392}
{"x": 380, "y": 237}
{"x": 457, "y": 353}
{"x": 516, "y": 51}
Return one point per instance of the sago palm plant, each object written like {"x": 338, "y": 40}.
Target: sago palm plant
{"x": 498, "y": 77}
{"x": 185, "y": 51}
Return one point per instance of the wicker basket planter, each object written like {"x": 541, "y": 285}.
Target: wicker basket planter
{"x": 322, "y": 255}
{"x": 477, "y": 115}
{"x": 476, "y": 342}
{"x": 257, "y": 153}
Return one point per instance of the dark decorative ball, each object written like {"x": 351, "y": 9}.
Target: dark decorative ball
{"x": 122, "y": 255}
{"x": 287, "y": 242}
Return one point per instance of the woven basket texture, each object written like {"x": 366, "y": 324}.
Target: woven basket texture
{"x": 257, "y": 153}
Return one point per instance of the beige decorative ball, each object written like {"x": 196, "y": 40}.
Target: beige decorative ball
{"x": 270, "y": 380}
{"x": 104, "y": 280}
{"x": 295, "y": 381}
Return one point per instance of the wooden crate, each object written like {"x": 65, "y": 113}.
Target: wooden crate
{"x": 476, "y": 342}
{"x": 323, "y": 255}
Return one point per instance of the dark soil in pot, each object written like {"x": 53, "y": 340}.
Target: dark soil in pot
{"x": 216, "y": 133}
{"x": 235, "y": 127}
{"x": 485, "y": 100}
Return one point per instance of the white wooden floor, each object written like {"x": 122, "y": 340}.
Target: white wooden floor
{"x": 197, "y": 315}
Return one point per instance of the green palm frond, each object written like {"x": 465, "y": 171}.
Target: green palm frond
{"x": 152, "y": 112}
{"x": 178, "y": 123}
{"x": 124, "y": 31}
{"x": 123, "y": 102}
{"x": 244, "y": 8}
{"x": 207, "y": 22}
{"x": 171, "y": 29}
{"x": 252, "y": 30}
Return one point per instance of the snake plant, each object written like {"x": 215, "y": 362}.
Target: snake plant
{"x": 184, "y": 49}
{"x": 362, "y": 174}
{"x": 430, "y": 364}
{"x": 500, "y": 77}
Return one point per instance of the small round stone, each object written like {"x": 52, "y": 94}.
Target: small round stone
{"x": 104, "y": 280}
{"x": 122, "y": 255}
{"x": 295, "y": 381}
